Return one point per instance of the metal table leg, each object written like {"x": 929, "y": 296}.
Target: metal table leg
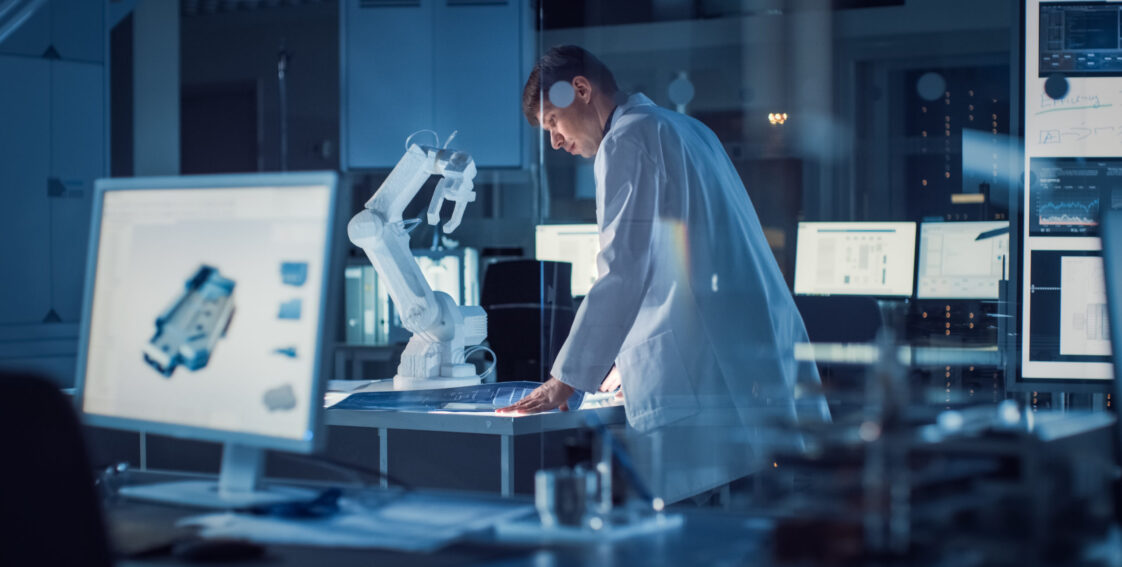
{"x": 384, "y": 456}
{"x": 506, "y": 458}
{"x": 340, "y": 364}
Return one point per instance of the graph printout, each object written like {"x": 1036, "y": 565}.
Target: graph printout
{"x": 1083, "y": 323}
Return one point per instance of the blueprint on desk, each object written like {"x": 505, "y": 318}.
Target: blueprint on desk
{"x": 417, "y": 522}
{"x": 480, "y": 397}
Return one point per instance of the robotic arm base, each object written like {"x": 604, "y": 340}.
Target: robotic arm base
{"x": 434, "y": 382}
{"x": 434, "y": 357}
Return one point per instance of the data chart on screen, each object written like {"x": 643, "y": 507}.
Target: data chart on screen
{"x": 1067, "y": 194}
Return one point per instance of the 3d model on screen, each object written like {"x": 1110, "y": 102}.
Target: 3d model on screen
{"x": 187, "y": 331}
{"x": 281, "y": 398}
{"x": 290, "y": 309}
{"x": 294, "y": 273}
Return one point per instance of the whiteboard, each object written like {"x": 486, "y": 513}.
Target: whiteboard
{"x": 1072, "y": 164}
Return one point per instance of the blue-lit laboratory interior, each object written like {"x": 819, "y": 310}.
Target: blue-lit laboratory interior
{"x": 544, "y": 282}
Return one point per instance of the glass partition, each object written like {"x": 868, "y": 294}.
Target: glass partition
{"x": 878, "y": 149}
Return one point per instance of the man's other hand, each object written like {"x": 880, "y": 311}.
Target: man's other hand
{"x": 612, "y": 381}
{"x": 552, "y": 394}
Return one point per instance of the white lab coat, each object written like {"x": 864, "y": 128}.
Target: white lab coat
{"x": 689, "y": 304}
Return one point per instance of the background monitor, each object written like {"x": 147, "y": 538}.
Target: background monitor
{"x": 204, "y": 317}
{"x": 855, "y": 258}
{"x": 962, "y": 260}
{"x": 577, "y": 244}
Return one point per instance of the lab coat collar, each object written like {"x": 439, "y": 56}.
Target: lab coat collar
{"x": 625, "y": 104}
{"x": 633, "y": 101}
{"x": 608, "y": 124}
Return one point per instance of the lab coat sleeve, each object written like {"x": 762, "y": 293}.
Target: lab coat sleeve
{"x": 630, "y": 187}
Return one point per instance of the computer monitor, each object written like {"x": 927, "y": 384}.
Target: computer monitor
{"x": 962, "y": 260}
{"x": 205, "y": 317}
{"x": 578, "y": 244}
{"x": 855, "y": 258}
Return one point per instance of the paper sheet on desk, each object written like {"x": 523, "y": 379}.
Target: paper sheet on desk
{"x": 339, "y": 390}
{"x": 347, "y": 385}
{"x": 332, "y": 398}
{"x": 481, "y": 397}
{"x": 411, "y": 522}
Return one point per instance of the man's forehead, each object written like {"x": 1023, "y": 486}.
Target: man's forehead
{"x": 545, "y": 108}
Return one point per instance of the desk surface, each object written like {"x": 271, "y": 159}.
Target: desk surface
{"x": 706, "y": 538}
{"x": 464, "y": 422}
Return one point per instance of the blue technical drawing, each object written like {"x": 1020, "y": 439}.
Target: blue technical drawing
{"x": 290, "y": 352}
{"x": 294, "y": 273}
{"x": 187, "y": 331}
{"x": 290, "y": 309}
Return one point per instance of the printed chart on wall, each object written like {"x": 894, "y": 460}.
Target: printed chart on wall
{"x": 1073, "y": 164}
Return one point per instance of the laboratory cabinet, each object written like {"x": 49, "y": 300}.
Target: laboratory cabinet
{"x": 52, "y": 148}
{"x": 74, "y": 29}
{"x": 442, "y": 65}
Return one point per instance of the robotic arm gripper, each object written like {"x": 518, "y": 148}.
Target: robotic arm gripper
{"x": 434, "y": 357}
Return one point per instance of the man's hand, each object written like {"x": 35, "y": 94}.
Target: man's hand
{"x": 552, "y": 394}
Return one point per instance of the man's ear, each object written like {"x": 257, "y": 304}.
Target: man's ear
{"x": 582, "y": 88}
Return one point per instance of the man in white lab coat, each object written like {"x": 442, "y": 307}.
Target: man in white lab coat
{"x": 690, "y": 310}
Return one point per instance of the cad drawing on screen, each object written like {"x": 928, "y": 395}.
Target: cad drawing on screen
{"x": 188, "y": 330}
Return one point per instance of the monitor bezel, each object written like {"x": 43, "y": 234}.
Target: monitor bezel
{"x": 315, "y": 423}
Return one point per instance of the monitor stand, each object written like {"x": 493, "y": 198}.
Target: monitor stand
{"x": 238, "y": 485}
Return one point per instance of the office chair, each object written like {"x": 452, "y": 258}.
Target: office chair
{"x": 839, "y": 318}
{"x": 50, "y": 509}
{"x": 529, "y": 307}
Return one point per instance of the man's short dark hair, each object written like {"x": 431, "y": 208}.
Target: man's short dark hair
{"x": 562, "y": 63}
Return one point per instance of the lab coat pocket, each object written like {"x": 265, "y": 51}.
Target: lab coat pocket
{"x": 656, "y": 386}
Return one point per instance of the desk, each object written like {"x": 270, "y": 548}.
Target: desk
{"x": 707, "y": 537}
{"x": 506, "y": 427}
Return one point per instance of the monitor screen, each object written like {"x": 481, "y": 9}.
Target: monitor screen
{"x": 1080, "y": 39}
{"x": 577, "y": 244}
{"x": 205, "y": 307}
{"x": 962, "y": 260}
{"x": 855, "y": 258}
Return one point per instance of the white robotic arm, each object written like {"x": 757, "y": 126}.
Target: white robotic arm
{"x": 434, "y": 357}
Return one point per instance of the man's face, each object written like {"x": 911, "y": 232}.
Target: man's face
{"x": 576, "y": 128}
